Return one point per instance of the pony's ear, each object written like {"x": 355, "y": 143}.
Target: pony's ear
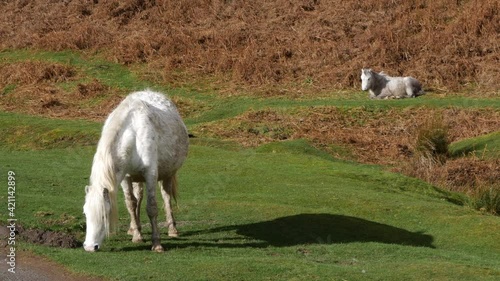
{"x": 105, "y": 193}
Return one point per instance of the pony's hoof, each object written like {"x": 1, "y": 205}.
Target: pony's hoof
{"x": 173, "y": 234}
{"x": 137, "y": 240}
{"x": 158, "y": 249}
{"x": 133, "y": 232}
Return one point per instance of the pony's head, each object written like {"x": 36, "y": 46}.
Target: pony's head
{"x": 366, "y": 79}
{"x": 97, "y": 210}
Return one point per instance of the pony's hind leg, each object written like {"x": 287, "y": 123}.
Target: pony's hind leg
{"x": 167, "y": 192}
{"x": 152, "y": 210}
{"x": 409, "y": 91}
{"x": 133, "y": 207}
{"x": 138, "y": 189}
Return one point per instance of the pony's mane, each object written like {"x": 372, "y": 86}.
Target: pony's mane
{"x": 374, "y": 73}
{"x": 96, "y": 208}
{"x": 382, "y": 73}
{"x": 103, "y": 167}
{"x": 380, "y": 76}
{"x": 103, "y": 177}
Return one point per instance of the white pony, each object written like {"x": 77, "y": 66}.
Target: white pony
{"x": 143, "y": 140}
{"x": 382, "y": 86}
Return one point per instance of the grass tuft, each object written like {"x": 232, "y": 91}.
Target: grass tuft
{"x": 432, "y": 140}
{"x": 487, "y": 199}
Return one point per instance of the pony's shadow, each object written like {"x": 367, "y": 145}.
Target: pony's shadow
{"x": 302, "y": 229}
{"x": 330, "y": 229}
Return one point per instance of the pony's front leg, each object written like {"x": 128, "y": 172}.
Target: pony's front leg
{"x": 133, "y": 206}
{"x": 152, "y": 209}
{"x": 384, "y": 94}
{"x": 167, "y": 192}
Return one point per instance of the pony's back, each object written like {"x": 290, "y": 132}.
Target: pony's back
{"x": 148, "y": 124}
{"x": 143, "y": 104}
{"x": 155, "y": 99}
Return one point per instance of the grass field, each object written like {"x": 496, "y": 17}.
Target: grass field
{"x": 281, "y": 210}
{"x": 259, "y": 215}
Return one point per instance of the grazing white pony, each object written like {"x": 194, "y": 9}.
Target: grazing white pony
{"x": 382, "y": 86}
{"x": 143, "y": 140}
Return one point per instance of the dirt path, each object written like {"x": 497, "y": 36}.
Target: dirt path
{"x": 30, "y": 267}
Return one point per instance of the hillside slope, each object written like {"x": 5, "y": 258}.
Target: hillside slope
{"x": 448, "y": 44}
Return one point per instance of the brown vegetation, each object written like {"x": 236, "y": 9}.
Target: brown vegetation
{"x": 34, "y": 73}
{"x": 379, "y": 136}
{"x": 447, "y": 44}
{"x": 33, "y": 87}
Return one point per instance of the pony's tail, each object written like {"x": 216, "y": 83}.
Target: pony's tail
{"x": 171, "y": 188}
{"x": 174, "y": 188}
{"x": 113, "y": 215}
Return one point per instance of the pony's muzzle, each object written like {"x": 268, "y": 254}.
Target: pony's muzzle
{"x": 91, "y": 248}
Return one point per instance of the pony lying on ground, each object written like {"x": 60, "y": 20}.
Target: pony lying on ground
{"x": 143, "y": 140}
{"x": 382, "y": 86}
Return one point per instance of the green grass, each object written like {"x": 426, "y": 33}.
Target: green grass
{"x": 23, "y": 132}
{"x": 282, "y": 211}
{"x": 262, "y": 215}
{"x": 483, "y": 146}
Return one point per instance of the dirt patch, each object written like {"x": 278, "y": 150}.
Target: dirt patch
{"x": 41, "y": 237}
{"x": 48, "y": 238}
{"x": 33, "y": 267}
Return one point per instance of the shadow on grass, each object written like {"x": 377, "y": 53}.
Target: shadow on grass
{"x": 298, "y": 230}
{"x": 329, "y": 229}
